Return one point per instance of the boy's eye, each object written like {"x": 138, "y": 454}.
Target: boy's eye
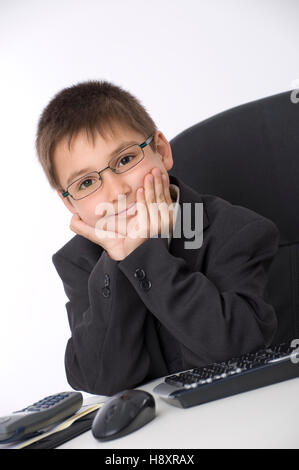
{"x": 125, "y": 159}
{"x": 85, "y": 183}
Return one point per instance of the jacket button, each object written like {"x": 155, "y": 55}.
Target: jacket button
{"x": 106, "y": 292}
{"x": 145, "y": 284}
{"x": 139, "y": 274}
{"x": 107, "y": 280}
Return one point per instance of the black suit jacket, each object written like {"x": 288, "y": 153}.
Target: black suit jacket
{"x": 200, "y": 305}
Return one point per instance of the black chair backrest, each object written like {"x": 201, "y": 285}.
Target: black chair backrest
{"x": 249, "y": 155}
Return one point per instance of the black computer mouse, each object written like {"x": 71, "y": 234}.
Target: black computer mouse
{"x": 123, "y": 413}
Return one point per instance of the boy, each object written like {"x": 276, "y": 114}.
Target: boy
{"x": 145, "y": 306}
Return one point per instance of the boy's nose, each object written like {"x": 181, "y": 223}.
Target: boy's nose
{"x": 113, "y": 185}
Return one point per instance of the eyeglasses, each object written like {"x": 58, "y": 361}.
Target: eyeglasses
{"x": 120, "y": 163}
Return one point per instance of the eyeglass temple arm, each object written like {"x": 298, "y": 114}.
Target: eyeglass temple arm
{"x": 148, "y": 141}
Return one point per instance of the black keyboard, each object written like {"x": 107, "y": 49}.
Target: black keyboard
{"x": 222, "y": 379}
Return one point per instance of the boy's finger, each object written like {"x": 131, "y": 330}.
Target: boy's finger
{"x": 142, "y": 206}
{"x": 142, "y": 212}
{"x": 166, "y": 190}
{"x": 150, "y": 196}
{"x": 159, "y": 186}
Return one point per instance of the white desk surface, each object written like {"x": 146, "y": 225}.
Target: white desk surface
{"x": 264, "y": 418}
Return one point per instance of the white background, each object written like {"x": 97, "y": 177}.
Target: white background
{"x": 184, "y": 60}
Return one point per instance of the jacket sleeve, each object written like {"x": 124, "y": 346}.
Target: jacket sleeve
{"x": 108, "y": 350}
{"x": 219, "y": 314}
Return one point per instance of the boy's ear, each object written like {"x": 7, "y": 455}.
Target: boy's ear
{"x": 164, "y": 149}
{"x": 66, "y": 201}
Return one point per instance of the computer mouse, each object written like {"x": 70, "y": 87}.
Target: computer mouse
{"x": 123, "y": 413}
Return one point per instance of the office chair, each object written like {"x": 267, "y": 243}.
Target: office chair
{"x": 249, "y": 155}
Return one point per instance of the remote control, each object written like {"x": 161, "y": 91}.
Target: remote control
{"x": 236, "y": 375}
{"x": 32, "y": 419}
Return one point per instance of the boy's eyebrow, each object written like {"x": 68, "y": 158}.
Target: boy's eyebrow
{"x": 84, "y": 171}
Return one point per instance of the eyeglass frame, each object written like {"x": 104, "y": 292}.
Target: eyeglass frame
{"x": 144, "y": 144}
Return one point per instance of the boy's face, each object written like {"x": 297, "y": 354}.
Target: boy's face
{"x": 83, "y": 154}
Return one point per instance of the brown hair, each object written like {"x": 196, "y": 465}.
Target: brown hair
{"x": 92, "y": 105}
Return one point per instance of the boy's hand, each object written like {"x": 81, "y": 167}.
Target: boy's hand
{"x": 154, "y": 215}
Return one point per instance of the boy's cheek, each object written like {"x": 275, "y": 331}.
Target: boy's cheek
{"x": 95, "y": 213}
